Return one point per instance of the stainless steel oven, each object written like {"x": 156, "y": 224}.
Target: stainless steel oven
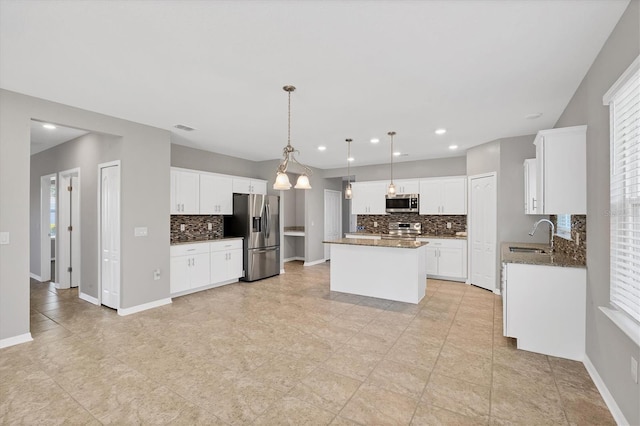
{"x": 402, "y": 203}
{"x": 403, "y": 231}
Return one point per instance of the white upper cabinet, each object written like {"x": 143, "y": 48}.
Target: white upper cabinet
{"x": 249, "y": 186}
{"x": 216, "y": 194}
{"x": 443, "y": 196}
{"x": 407, "y": 186}
{"x": 185, "y": 192}
{"x": 369, "y": 197}
{"x": 530, "y": 194}
{"x": 561, "y": 170}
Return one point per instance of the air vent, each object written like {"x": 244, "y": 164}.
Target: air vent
{"x": 183, "y": 127}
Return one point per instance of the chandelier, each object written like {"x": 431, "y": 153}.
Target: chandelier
{"x": 348, "y": 191}
{"x": 289, "y": 156}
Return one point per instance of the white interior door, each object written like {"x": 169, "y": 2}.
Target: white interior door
{"x": 332, "y": 218}
{"x": 46, "y": 208}
{"x": 483, "y": 230}
{"x": 110, "y": 235}
{"x": 68, "y": 232}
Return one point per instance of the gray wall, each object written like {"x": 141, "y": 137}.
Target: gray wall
{"x": 453, "y": 166}
{"x": 85, "y": 153}
{"x": 145, "y": 202}
{"x": 196, "y": 159}
{"x": 483, "y": 158}
{"x": 608, "y": 348}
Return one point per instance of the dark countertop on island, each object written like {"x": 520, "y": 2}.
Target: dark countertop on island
{"x": 378, "y": 243}
{"x": 542, "y": 259}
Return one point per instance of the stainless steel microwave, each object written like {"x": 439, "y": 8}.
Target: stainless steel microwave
{"x": 402, "y": 203}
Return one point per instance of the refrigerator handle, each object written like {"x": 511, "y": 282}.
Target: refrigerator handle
{"x": 268, "y": 213}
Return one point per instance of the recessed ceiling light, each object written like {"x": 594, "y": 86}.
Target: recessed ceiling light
{"x": 375, "y": 140}
{"x": 441, "y": 131}
{"x": 49, "y": 126}
{"x": 533, "y": 116}
{"x": 397, "y": 154}
{"x": 452, "y": 147}
{"x": 322, "y": 148}
{"x": 350, "y": 159}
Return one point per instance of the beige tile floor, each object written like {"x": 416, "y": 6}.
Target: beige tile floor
{"x": 286, "y": 350}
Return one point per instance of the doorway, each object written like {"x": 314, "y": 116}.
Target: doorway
{"x": 109, "y": 233}
{"x": 68, "y": 233}
{"x": 48, "y": 220}
{"x": 332, "y": 218}
{"x": 483, "y": 230}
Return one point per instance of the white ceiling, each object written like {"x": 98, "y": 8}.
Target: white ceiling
{"x": 362, "y": 68}
{"x": 43, "y": 138}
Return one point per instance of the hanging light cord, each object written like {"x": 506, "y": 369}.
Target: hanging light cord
{"x": 391, "y": 134}
{"x": 289, "y": 153}
{"x": 349, "y": 161}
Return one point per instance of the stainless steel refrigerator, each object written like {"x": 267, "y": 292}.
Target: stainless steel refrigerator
{"x": 256, "y": 218}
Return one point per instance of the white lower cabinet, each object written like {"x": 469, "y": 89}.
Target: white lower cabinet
{"x": 204, "y": 265}
{"x": 446, "y": 258}
{"x": 544, "y": 308}
{"x": 189, "y": 267}
{"x": 226, "y": 261}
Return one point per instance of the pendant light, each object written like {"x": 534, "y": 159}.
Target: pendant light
{"x": 348, "y": 191}
{"x": 391, "y": 190}
{"x": 289, "y": 156}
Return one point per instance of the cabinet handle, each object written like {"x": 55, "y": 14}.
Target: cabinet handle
{"x": 534, "y": 203}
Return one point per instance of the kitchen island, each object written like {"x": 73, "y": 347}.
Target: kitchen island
{"x": 387, "y": 269}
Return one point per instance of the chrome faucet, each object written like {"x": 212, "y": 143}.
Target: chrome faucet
{"x": 553, "y": 229}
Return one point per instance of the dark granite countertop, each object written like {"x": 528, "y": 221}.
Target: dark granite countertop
{"x": 378, "y": 243}
{"x": 445, "y": 236}
{"x": 555, "y": 259}
{"x": 210, "y": 240}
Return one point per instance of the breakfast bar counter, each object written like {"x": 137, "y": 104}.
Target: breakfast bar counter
{"x": 387, "y": 269}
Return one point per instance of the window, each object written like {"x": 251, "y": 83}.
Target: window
{"x": 564, "y": 226}
{"x": 624, "y": 107}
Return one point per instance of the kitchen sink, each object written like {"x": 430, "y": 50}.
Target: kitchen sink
{"x": 527, "y": 250}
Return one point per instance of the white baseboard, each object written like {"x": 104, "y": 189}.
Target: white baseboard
{"x": 497, "y": 291}
{"x": 617, "y": 414}
{"x": 143, "y": 307}
{"x": 315, "y": 262}
{"x": 282, "y": 271}
{"x": 291, "y": 259}
{"x": 35, "y": 277}
{"x": 88, "y": 298}
{"x": 15, "y": 340}
{"x": 60, "y": 287}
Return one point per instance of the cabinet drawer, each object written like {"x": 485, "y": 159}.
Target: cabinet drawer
{"x": 188, "y": 249}
{"x": 444, "y": 242}
{"x": 226, "y": 245}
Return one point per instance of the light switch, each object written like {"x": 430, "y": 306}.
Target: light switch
{"x": 140, "y": 231}
{"x": 156, "y": 275}
{"x": 4, "y": 238}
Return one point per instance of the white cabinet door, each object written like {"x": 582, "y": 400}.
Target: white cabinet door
{"x": 530, "y": 194}
{"x": 407, "y": 186}
{"x": 432, "y": 260}
{"x": 199, "y": 270}
{"x": 219, "y": 266}
{"x": 450, "y": 262}
{"x": 430, "y": 196}
{"x": 454, "y": 196}
{"x": 216, "y": 195}
{"x": 249, "y": 186}
{"x": 235, "y": 264}
{"x": 561, "y": 170}
{"x": 185, "y": 192}
{"x": 368, "y": 198}
{"x": 443, "y": 196}
{"x": 179, "y": 274}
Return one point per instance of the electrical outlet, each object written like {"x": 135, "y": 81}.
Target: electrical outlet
{"x": 156, "y": 275}
{"x": 448, "y": 225}
{"x": 182, "y": 227}
{"x": 375, "y": 224}
{"x": 209, "y": 226}
{"x": 634, "y": 369}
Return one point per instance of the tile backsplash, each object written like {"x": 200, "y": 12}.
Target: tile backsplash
{"x": 196, "y": 227}
{"x": 431, "y": 224}
{"x": 579, "y": 228}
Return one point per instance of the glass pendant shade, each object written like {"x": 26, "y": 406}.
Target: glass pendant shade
{"x": 348, "y": 192}
{"x": 391, "y": 191}
{"x": 282, "y": 182}
{"x": 302, "y": 182}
